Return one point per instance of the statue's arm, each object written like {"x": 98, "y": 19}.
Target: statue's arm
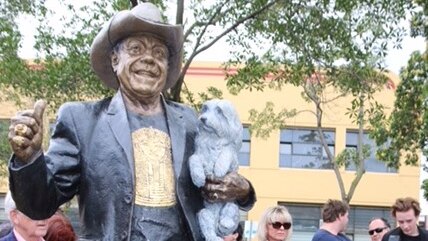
{"x": 40, "y": 186}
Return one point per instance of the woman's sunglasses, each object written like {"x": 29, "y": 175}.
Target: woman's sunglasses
{"x": 277, "y": 225}
{"x": 377, "y": 230}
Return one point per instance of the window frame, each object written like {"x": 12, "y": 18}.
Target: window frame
{"x": 244, "y": 156}
{"x": 297, "y": 148}
{"x": 371, "y": 163}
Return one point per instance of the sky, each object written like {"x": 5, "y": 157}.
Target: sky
{"x": 219, "y": 52}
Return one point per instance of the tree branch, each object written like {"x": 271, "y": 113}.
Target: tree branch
{"x": 177, "y": 88}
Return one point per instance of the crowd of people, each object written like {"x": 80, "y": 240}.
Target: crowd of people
{"x": 276, "y": 223}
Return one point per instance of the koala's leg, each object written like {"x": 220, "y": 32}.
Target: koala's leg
{"x": 207, "y": 224}
{"x": 229, "y": 219}
{"x": 197, "y": 171}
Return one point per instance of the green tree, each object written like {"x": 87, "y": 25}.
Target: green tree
{"x": 407, "y": 127}
{"x": 320, "y": 46}
{"x": 4, "y": 147}
{"x": 64, "y": 46}
{"x": 61, "y": 70}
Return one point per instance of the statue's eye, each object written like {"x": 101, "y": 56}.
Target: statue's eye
{"x": 219, "y": 110}
{"x": 135, "y": 49}
{"x": 159, "y": 53}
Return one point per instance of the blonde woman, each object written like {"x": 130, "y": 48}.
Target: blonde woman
{"x": 275, "y": 225}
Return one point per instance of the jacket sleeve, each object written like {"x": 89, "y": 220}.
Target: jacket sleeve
{"x": 40, "y": 187}
{"x": 249, "y": 202}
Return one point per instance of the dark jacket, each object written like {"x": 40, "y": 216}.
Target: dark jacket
{"x": 90, "y": 155}
{"x": 9, "y": 237}
{"x": 399, "y": 235}
{"x": 5, "y": 228}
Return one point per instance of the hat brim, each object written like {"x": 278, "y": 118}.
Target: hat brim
{"x": 127, "y": 23}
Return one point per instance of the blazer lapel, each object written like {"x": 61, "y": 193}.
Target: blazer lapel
{"x": 177, "y": 134}
{"x": 118, "y": 121}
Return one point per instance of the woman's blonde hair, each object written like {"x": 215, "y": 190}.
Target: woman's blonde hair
{"x": 271, "y": 215}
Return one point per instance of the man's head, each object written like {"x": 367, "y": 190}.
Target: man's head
{"x": 406, "y": 212}
{"x": 143, "y": 20}
{"x": 141, "y": 65}
{"x": 377, "y": 228}
{"x": 336, "y": 211}
{"x": 29, "y": 229}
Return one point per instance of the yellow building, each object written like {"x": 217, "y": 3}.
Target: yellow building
{"x": 288, "y": 169}
{"x": 282, "y": 167}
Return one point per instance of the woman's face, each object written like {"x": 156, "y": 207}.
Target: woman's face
{"x": 277, "y": 231}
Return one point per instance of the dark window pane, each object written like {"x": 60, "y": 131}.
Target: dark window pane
{"x": 244, "y": 152}
{"x": 371, "y": 164}
{"x": 301, "y": 148}
{"x": 305, "y": 218}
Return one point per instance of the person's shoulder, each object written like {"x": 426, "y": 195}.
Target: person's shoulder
{"x": 94, "y": 106}
{"x": 424, "y": 233}
{"x": 344, "y": 236}
{"x": 395, "y": 231}
{"x": 177, "y": 105}
{"x": 9, "y": 237}
{"x": 319, "y": 234}
{"x": 181, "y": 108}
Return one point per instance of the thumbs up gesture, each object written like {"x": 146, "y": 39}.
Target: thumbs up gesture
{"x": 26, "y": 131}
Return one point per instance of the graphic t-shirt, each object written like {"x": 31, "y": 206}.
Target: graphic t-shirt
{"x": 156, "y": 215}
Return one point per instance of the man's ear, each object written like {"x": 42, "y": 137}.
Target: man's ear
{"x": 114, "y": 60}
{"x": 13, "y": 216}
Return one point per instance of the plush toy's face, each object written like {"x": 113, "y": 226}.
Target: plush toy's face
{"x": 220, "y": 120}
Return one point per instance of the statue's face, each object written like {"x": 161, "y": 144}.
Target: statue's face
{"x": 141, "y": 64}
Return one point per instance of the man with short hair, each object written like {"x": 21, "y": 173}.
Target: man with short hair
{"x": 24, "y": 228}
{"x": 406, "y": 213}
{"x": 335, "y": 219}
{"x": 377, "y": 228}
{"x": 125, "y": 157}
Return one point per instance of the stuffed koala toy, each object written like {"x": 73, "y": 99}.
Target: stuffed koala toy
{"x": 216, "y": 154}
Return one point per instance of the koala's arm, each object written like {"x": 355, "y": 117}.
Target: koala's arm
{"x": 227, "y": 162}
{"x": 197, "y": 171}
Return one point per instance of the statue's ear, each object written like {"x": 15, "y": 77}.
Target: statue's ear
{"x": 114, "y": 60}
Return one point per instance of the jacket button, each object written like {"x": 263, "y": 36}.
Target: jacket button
{"x": 128, "y": 198}
{"x": 123, "y": 235}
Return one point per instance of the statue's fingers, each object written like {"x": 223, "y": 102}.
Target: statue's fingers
{"x": 39, "y": 109}
{"x": 20, "y": 142}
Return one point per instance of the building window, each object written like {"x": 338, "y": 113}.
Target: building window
{"x": 371, "y": 163}
{"x": 302, "y": 148}
{"x": 305, "y": 217}
{"x": 244, "y": 153}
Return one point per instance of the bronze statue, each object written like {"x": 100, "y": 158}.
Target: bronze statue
{"x": 125, "y": 157}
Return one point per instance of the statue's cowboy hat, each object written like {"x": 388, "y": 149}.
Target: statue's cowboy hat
{"x": 145, "y": 18}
